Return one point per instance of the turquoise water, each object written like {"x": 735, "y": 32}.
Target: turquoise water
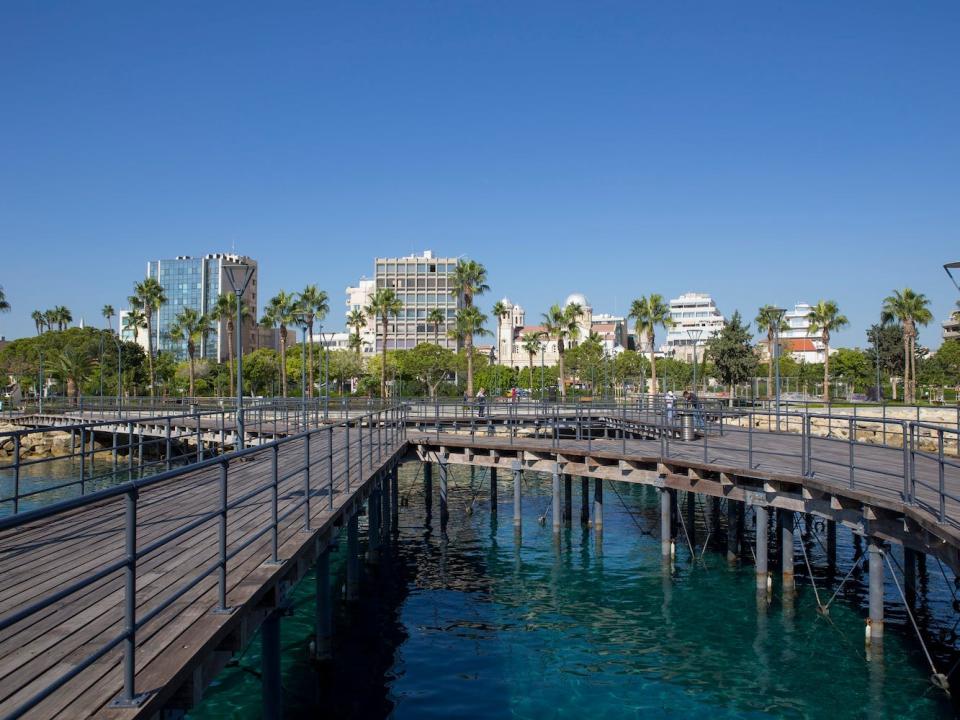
{"x": 472, "y": 624}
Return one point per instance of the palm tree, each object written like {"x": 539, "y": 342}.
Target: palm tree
{"x": 766, "y": 321}
{"x": 825, "y": 318}
{"x": 108, "y": 313}
{"x": 910, "y": 309}
{"x": 62, "y": 316}
{"x": 50, "y": 318}
{"x": 436, "y": 317}
{"x": 281, "y": 311}
{"x": 225, "y": 310}
{"x": 561, "y": 325}
{"x": 74, "y": 367}
{"x": 648, "y": 313}
{"x": 134, "y": 322}
{"x": 499, "y": 310}
{"x": 469, "y": 280}
{"x": 4, "y": 303}
{"x": 314, "y": 305}
{"x": 384, "y": 304}
{"x": 469, "y": 322}
{"x": 531, "y": 344}
{"x": 191, "y": 326}
{"x": 39, "y": 320}
{"x": 148, "y": 296}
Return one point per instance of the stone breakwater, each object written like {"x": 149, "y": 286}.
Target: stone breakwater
{"x": 42, "y": 444}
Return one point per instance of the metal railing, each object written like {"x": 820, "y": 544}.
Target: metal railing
{"x": 332, "y": 459}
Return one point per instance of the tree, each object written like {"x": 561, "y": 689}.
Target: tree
{"x": 345, "y": 365}
{"x": 261, "y": 370}
{"x": 428, "y": 363}
{"x": 733, "y": 358}
{"x": 469, "y": 280}
{"x": 499, "y": 311}
{"x": 4, "y": 303}
{"x": 767, "y": 321}
{"x": 148, "y": 296}
{"x": 39, "y": 320}
{"x": 648, "y": 312}
{"x": 825, "y": 318}
{"x": 910, "y": 309}
{"x": 853, "y": 367}
{"x": 314, "y": 305}
{"x": 532, "y": 344}
{"x": 469, "y": 322}
{"x": 358, "y": 321}
{"x": 436, "y": 317}
{"x": 136, "y": 320}
{"x": 108, "y": 312}
{"x": 225, "y": 310}
{"x": 383, "y": 305}
{"x": 281, "y": 311}
{"x": 73, "y": 365}
{"x": 191, "y": 326}
{"x": 561, "y": 325}
{"x": 62, "y": 317}
{"x": 585, "y": 360}
{"x": 49, "y": 319}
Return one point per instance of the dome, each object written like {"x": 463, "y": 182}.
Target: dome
{"x": 577, "y": 298}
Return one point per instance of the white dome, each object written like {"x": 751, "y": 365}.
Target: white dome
{"x": 577, "y": 298}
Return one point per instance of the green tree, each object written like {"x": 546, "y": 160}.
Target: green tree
{"x": 261, "y": 371}
{"x": 532, "y": 344}
{"x": 148, "y": 296}
{"x": 39, "y": 320}
{"x": 649, "y": 312}
{"x": 825, "y": 318}
{"x": 72, "y": 365}
{"x": 852, "y": 366}
{"x": 501, "y": 313}
{"x": 428, "y": 363}
{"x": 911, "y": 310}
{"x": 561, "y": 324}
{"x": 767, "y": 322}
{"x": 469, "y": 322}
{"x": 281, "y": 311}
{"x": 345, "y": 366}
{"x": 585, "y": 360}
{"x": 62, "y": 316}
{"x": 4, "y": 303}
{"x": 191, "y": 327}
{"x": 732, "y": 354}
{"x": 108, "y": 312}
{"x": 358, "y": 321}
{"x": 629, "y": 366}
{"x": 469, "y": 280}
{"x": 383, "y": 305}
{"x": 224, "y": 311}
{"x": 314, "y": 305}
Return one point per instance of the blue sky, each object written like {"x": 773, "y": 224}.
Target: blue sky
{"x": 762, "y": 152}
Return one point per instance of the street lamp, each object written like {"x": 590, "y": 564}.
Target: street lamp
{"x": 695, "y": 334}
{"x": 326, "y": 373}
{"x": 239, "y": 275}
{"x": 543, "y": 347}
{"x": 303, "y": 370}
{"x": 776, "y": 315}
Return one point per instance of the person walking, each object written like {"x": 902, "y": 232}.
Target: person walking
{"x": 669, "y": 401}
{"x": 481, "y": 402}
{"x": 694, "y": 403}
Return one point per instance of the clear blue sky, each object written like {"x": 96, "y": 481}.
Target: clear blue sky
{"x": 764, "y": 152}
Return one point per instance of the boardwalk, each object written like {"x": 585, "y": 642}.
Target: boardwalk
{"x": 38, "y": 559}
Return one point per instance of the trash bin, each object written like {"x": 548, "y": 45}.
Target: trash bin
{"x": 687, "y": 433}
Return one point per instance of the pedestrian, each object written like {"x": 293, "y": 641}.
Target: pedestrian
{"x": 694, "y": 403}
{"x": 669, "y": 401}
{"x": 481, "y": 402}
{"x": 513, "y": 394}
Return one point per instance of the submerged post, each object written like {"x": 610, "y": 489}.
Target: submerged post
{"x": 556, "y": 500}
{"x": 493, "y": 491}
{"x": 270, "y": 667}
{"x": 598, "y": 506}
{"x": 394, "y": 499}
{"x": 875, "y": 556}
{"x": 666, "y": 539}
{"x": 567, "y": 500}
{"x": 444, "y": 514}
{"x": 786, "y": 547}
{"x": 732, "y": 535}
{"x": 692, "y": 517}
{"x": 763, "y": 519}
{"x": 517, "y": 478}
{"x": 324, "y": 608}
{"x": 584, "y": 501}
{"x": 428, "y": 489}
{"x": 373, "y": 524}
{"x": 353, "y": 559}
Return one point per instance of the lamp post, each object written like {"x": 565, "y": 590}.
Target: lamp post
{"x": 695, "y": 334}
{"x": 876, "y": 356}
{"x": 40, "y": 388}
{"x": 326, "y": 374}
{"x": 238, "y": 275}
{"x": 303, "y": 373}
{"x": 543, "y": 347}
{"x": 496, "y": 376}
{"x": 776, "y": 315}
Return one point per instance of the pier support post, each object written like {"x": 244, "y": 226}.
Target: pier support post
{"x": 324, "y": 608}
{"x": 353, "y": 559}
{"x": 732, "y": 545}
{"x": 692, "y": 517}
{"x": 517, "y": 501}
{"x": 385, "y": 515}
{"x": 786, "y": 546}
{"x": 598, "y": 506}
{"x": 910, "y": 575}
{"x": 444, "y": 513}
{"x": 428, "y": 489}
{"x": 493, "y": 491}
{"x": 715, "y": 519}
{"x": 763, "y": 518}
{"x": 394, "y": 499}
{"x": 567, "y": 500}
{"x": 875, "y": 558}
{"x": 831, "y": 545}
{"x": 270, "y": 667}
{"x": 666, "y": 525}
{"x": 584, "y": 501}
{"x": 373, "y": 524}
{"x": 556, "y": 500}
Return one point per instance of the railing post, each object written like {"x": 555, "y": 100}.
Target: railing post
{"x": 16, "y": 473}
{"x": 130, "y": 600}
{"x": 130, "y": 450}
{"x": 274, "y": 493}
{"x": 940, "y": 472}
{"x": 222, "y": 538}
{"x": 83, "y": 469}
{"x": 306, "y": 482}
{"x": 346, "y": 454}
{"x": 330, "y": 467}
{"x": 167, "y": 449}
{"x": 851, "y": 430}
{"x": 907, "y": 490}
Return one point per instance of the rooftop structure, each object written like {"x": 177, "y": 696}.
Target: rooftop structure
{"x": 691, "y": 311}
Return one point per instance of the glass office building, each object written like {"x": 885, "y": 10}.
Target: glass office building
{"x": 197, "y": 282}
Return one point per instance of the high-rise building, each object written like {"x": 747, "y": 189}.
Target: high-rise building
{"x": 691, "y": 311}
{"x": 423, "y": 283}
{"x": 197, "y": 282}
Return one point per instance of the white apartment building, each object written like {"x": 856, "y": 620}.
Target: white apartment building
{"x": 691, "y": 311}
{"x": 423, "y": 283}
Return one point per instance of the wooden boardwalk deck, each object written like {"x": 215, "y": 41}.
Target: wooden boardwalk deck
{"x": 37, "y": 559}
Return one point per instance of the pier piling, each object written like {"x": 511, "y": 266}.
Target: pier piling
{"x": 598, "y": 506}
{"x": 763, "y": 519}
{"x": 875, "y": 559}
{"x": 324, "y": 609}
{"x": 270, "y": 667}
{"x": 493, "y": 491}
{"x": 666, "y": 538}
{"x": 584, "y": 501}
{"x": 786, "y": 547}
{"x": 517, "y": 501}
{"x": 353, "y": 559}
{"x": 556, "y": 500}
{"x": 444, "y": 513}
